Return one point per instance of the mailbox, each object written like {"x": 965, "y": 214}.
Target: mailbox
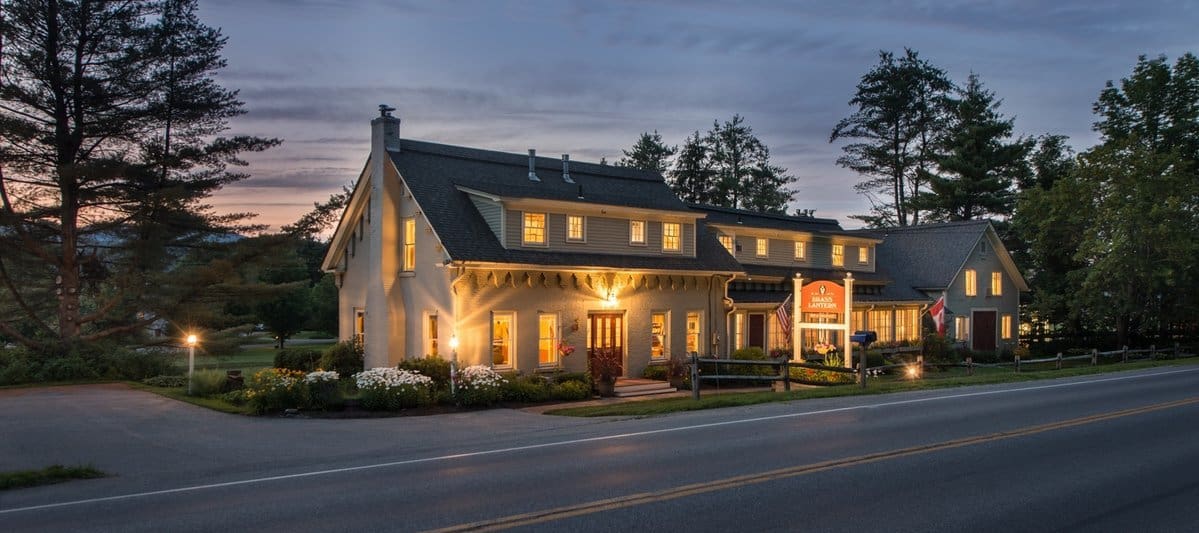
{"x": 864, "y": 338}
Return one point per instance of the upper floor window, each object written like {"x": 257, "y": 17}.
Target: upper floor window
{"x": 575, "y": 228}
{"x": 996, "y": 284}
{"x": 801, "y": 250}
{"x": 838, "y": 255}
{"x": 410, "y": 243}
{"x": 971, "y": 283}
{"x": 636, "y": 232}
{"x": 672, "y": 236}
{"x": 727, "y": 242}
{"x": 863, "y": 255}
{"x": 534, "y": 232}
{"x": 761, "y": 247}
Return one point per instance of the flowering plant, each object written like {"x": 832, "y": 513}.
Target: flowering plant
{"x": 321, "y": 376}
{"x": 824, "y": 348}
{"x": 392, "y": 388}
{"x": 276, "y": 389}
{"x": 479, "y": 385}
{"x": 565, "y": 349}
{"x": 605, "y": 364}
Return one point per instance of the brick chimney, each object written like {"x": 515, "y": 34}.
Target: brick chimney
{"x": 386, "y": 129}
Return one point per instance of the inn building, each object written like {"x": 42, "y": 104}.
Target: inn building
{"x": 525, "y": 259}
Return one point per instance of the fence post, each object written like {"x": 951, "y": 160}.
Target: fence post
{"x": 920, "y": 366}
{"x": 1059, "y": 360}
{"x": 1152, "y": 352}
{"x": 1017, "y": 363}
{"x": 969, "y": 365}
{"x": 1094, "y": 356}
{"x": 787, "y": 375}
{"x": 1124, "y": 358}
{"x": 1176, "y": 350}
{"x": 694, "y": 377}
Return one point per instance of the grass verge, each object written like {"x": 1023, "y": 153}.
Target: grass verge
{"x": 178, "y": 393}
{"x": 932, "y": 380}
{"x": 46, "y": 476}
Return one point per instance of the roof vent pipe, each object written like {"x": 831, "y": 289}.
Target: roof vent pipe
{"x": 580, "y": 192}
{"x": 532, "y": 163}
{"x": 566, "y": 168}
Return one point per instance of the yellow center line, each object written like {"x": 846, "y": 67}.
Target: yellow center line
{"x": 559, "y": 513}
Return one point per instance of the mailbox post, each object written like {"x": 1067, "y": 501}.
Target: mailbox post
{"x": 863, "y": 338}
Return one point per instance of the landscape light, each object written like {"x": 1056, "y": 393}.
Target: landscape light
{"x": 912, "y": 372}
{"x": 454, "y": 341}
{"x": 191, "y": 339}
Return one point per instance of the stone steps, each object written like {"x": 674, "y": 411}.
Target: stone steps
{"x": 641, "y": 387}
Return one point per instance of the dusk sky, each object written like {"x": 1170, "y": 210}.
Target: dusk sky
{"x": 586, "y": 78}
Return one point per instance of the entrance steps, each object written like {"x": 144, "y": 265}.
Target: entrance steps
{"x": 627, "y": 387}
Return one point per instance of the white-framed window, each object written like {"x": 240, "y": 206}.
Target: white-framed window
{"x": 503, "y": 338}
{"x": 738, "y": 331}
{"x": 880, "y": 323}
{"x": 576, "y": 228}
{"x": 801, "y": 250}
{"x": 761, "y": 247}
{"x": 672, "y": 236}
{"x": 996, "y": 284}
{"x": 431, "y": 344}
{"x": 409, "y": 244}
{"x": 961, "y": 328}
{"x": 637, "y": 232}
{"x": 547, "y": 340}
{"x": 534, "y": 229}
{"x": 359, "y": 325}
{"x": 863, "y": 255}
{"x": 839, "y": 255}
{"x": 727, "y": 242}
{"x": 1006, "y": 327}
{"x": 907, "y": 324}
{"x": 659, "y": 331}
{"x": 693, "y": 331}
{"x": 971, "y": 282}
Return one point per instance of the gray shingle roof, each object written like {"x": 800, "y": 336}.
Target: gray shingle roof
{"x": 732, "y": 217}
{"x": 929, "y": 255}
{"x": 434, "y": 171}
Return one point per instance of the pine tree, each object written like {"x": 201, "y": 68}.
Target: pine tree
{"x": 730, "y": 167}
{"x": 648, "y": 153}
{"x": 691, "y": 178}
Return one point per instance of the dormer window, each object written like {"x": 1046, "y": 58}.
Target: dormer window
{"x": 534, "y": 229}
{"x": 761, "y": 247}
{"x": 672, "y": 237}
{"x": 801, "y": 250}
{"x": 575, "y": 228}
{"x": 863, "y": 255}
{"x": 637, "y": 232}
{"x": 727, "y": 242}
{"x": 838, "y": 255}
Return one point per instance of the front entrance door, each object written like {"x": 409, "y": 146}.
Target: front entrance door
{"x": 757, "y": 331}
{"x": 982, "y": 336}
{"x": 607, "y": 342}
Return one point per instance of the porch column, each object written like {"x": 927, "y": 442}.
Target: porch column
{"x": 796, "y": 332}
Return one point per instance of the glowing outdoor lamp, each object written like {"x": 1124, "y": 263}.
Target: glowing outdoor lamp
{"x": 453, "y": 364}
{"x": 191, "y": 359}
{"x": 611, "y": 299}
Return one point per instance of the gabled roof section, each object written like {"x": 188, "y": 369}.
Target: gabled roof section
{"x": 728, "y": 216}
{"x": 929, "y": 256}
{"x": 441, "y": 177}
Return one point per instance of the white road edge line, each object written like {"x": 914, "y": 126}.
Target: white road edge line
{"x": 578, "y": 441}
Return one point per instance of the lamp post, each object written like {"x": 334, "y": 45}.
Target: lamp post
{"x": 454, "y": 364}
{"x": 191, "y": 360}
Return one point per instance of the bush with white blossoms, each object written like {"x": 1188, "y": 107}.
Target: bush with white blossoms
{"x": 479, "y": 385}
{"x": 324, "y": 390}
{"x": 321, "y": 376}
{"x": 276, "y": 389}
{"x": 391, "y": 388}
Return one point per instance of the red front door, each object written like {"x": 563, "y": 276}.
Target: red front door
{"x": 607, "y": 340}
{"x": 757, "y": 331}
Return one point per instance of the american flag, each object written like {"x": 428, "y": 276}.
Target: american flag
{"x": 784, "y": 316}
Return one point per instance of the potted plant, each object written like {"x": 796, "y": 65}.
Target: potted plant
{"x": 605, "y": 367}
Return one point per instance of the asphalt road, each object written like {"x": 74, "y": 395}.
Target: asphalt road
{"x": 1115, "y": 452}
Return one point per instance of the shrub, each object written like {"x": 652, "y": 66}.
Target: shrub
{"x": 658, "y": 372}
{"x": 166, "y": 381}
{"x": 138, "y": 364}
{"x": 821, "y": 377}
{"x": 753, "y": 354}
{"x": 578, "y": 377}
{"x": 345, "y": 358}
{"x": 275, "y": 389}
{"x": 303, "y": 359}
{"x": 570, "y": 391}
{"x": 479, "y": 386}
{"x": 389, "y": 388}
{"x": 235, "y": 397}
{"x": 16, "y": 366}
{"x": 66, "y": 368}
{"x": 434, "y": 367}
{"x": 324, "y": 389}
{"x": 208, "y": 382}
{"x": 530, "y": 389}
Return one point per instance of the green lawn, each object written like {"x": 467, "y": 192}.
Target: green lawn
{"x": 46, "y": 476}
{"x": 247, "y": 359}
{"x": 180, "y": 393}
{"x": 932, "y": 380}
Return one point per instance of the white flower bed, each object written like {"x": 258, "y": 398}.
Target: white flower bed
{"x": 481, "y": 377}
{"x": 321, "y": 376}
{"x": 389, "y": 377}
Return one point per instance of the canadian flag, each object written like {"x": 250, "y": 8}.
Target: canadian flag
{"x": 937, "y": 311}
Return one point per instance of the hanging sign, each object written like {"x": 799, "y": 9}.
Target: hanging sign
{"x": 822, "y": 297}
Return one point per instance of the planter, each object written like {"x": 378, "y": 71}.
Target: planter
{"x": 677, "y": 381}
{"x": 605, "y": 387}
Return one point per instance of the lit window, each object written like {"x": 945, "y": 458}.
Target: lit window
{"x": 801, "y": 250}
{"x": 863, "y": 255}
{"x": 534, "y": 228}
{"x": 971, "y": 283}
{"x": 693, "y": 333}
{"x": 996, "y": 284}
{"x": 961, "y": 328}
{"x": 359, "y": 325}
{"x": 670, "y": 236}
{"x": 838, "y": 255}
{"x": 636, "y": 232}
{"x": 738, "y": 330}
{"x": 727, "y": 242}
{"x": 574, "y": 228}
{"x": 907, "y": 324}
{"x": 409, "y": 244}
{"x": 658, "y": 326}
{"x": 547, "y": 340}
{"x": 762, "y": 247}
{"x": 431, "y": 336}
{"x": 502, "y": 338}
{"x": 1006, "y": 326}
{"x": 880, "y": 323}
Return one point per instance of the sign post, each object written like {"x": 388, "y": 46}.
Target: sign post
{"x": 823, "y": 297}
